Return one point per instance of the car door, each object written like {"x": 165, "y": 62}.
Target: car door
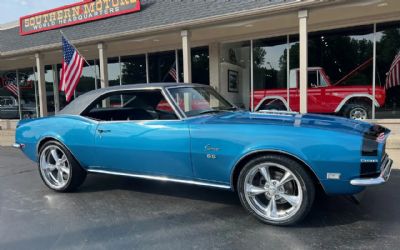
{"x": 141, "y": 144}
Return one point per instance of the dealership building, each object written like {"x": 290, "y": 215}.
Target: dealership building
{"x": 243, "y": 49}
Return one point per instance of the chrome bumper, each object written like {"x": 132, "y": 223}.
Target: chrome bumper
{"x": 386, "y": 168}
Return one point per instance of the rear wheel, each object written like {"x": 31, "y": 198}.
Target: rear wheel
{"x": 58, "y": 168}
{"x": 276, "y": 190}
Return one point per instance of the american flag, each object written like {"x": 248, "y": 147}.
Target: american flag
{"x": 393, "y": 76}
{"x": 172, "y": 72}
{"x": 12, "y": 88}
{"x": 71, "y": 71}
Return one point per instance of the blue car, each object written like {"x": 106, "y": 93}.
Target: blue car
{"x": 189, "y": 134}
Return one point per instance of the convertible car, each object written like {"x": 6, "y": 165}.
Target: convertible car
{"x": 189, "y": 134}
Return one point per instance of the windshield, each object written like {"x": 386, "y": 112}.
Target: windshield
{"x": 199, "y": 100}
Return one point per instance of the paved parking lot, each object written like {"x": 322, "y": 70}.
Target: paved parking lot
{"x": 123, "y": 213}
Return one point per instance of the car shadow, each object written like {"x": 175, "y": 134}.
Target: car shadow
{"x": 327, "y": 211}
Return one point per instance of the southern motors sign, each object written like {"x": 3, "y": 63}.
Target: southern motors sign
{"x": 85, "y": 11}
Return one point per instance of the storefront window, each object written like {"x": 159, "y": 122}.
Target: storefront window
{"x": 28, "y": 93}
{"x": 235, "y": 73}
{"x": 388, "y": 70}
{"x": 200, "y": 65}
{"x": 270, "y": 73}
{"x": 133, "y": 69}
{"x": 340, "y": 72}
{"x": 9, "y": 108}
{"x": 162, "y": 66}
{"x": 90, "y": 74}
{"x": 114, "y": 71}
{"x": 49, "y": 80}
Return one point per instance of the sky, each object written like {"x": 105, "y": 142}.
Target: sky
{"x": 12, "y": 10}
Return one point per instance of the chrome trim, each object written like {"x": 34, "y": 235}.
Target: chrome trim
{"x": 276, "y": 112}
{"x": 160, "y": 178}
{"x": 382, "y": 178}
{"x": 18, "y": 145}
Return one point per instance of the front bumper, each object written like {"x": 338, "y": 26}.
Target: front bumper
{"x": 386, "y": 168}
{"x": 18, "y": 145}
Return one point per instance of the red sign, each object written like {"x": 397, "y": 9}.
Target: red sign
{"x": 85, "y": 11}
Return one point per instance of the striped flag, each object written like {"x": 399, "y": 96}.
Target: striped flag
{"x": 172, "y": 72}
{"x": 12, "y": 88}
{"x": 71, "y": 71}
{"x": 393, "y": 76}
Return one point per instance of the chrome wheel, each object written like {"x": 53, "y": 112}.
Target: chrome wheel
{"x": 54, "y": 167}
{"x": 358, "y": 113}
{"x": 273, "y": 191}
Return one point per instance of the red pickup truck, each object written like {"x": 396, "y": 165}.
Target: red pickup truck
{"x": 354, "y": 102}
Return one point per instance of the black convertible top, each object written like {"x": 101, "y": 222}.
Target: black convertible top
{"x": 78, "y": 105}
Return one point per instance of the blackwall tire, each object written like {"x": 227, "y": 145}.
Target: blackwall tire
{"x": 358, "y": 111}
{"x": 58, "y": 168}
{"x": 292, "y": 200}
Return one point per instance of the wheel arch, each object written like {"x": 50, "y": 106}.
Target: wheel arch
{"x": 267, "y": 98}
{"x": 349, "y": 98}
{"x": 45, "y": 139}
{"x": 254, "y": 154}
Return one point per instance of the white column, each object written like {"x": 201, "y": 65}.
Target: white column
{"x": 214, "y": 54}
{"x": 55, "y": 89}
{"x": 187, "y": 57}
{"x": 41, "y": 85}
{"x": 303, "y": 16}
{"x": 103, "y": 65}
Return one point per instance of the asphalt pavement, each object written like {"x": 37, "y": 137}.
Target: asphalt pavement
{"x": 111, "y": 212}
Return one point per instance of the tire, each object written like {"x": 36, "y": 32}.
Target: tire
{"x": 258, "y": 197}
{"x": 358, "y": 111}
{"x": 62, "y": 175}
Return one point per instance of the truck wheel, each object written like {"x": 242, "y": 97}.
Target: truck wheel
{"x": 358, "y": 111}
{"x": 58, "y": 168}
{"x": 276, "y": 190}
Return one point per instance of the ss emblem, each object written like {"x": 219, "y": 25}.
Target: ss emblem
{"x": 211, "y": 156}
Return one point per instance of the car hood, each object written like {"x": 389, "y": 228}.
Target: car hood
{"x": 332, "y": 123}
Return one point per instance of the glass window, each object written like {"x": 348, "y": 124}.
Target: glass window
{"x": 199, "y": 100}
{"x": 9, "y": 95}
{"x": 114, "y": 71}
{"x": 200, "y": 65}
{"x": 132, "y": 105}
{"x": 49, "y": 81}
{"x": 235, "y": 73}
{"x": 88, "y": 79}
{"x": 133, "y": 69}
{"x": 344, "y": 58}
{"x": 387, "y": 92}
{"x": 313, "y": 81}
{"x": 161, "y": 66}
{"x": 28, "y": 93}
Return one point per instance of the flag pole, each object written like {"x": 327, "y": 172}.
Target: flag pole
{"x": 79, "y": 53}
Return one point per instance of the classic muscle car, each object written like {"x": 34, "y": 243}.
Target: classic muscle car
{"x": 275, "y": 161}
{"x": 324, "y": 97}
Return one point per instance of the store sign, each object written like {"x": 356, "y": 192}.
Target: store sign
{"x": 85, "y": 11}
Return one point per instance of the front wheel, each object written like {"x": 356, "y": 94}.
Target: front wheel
{"x": 358, "y": 111}
{"x": 58, "y": 168}
{"x": 276, "y": 189}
